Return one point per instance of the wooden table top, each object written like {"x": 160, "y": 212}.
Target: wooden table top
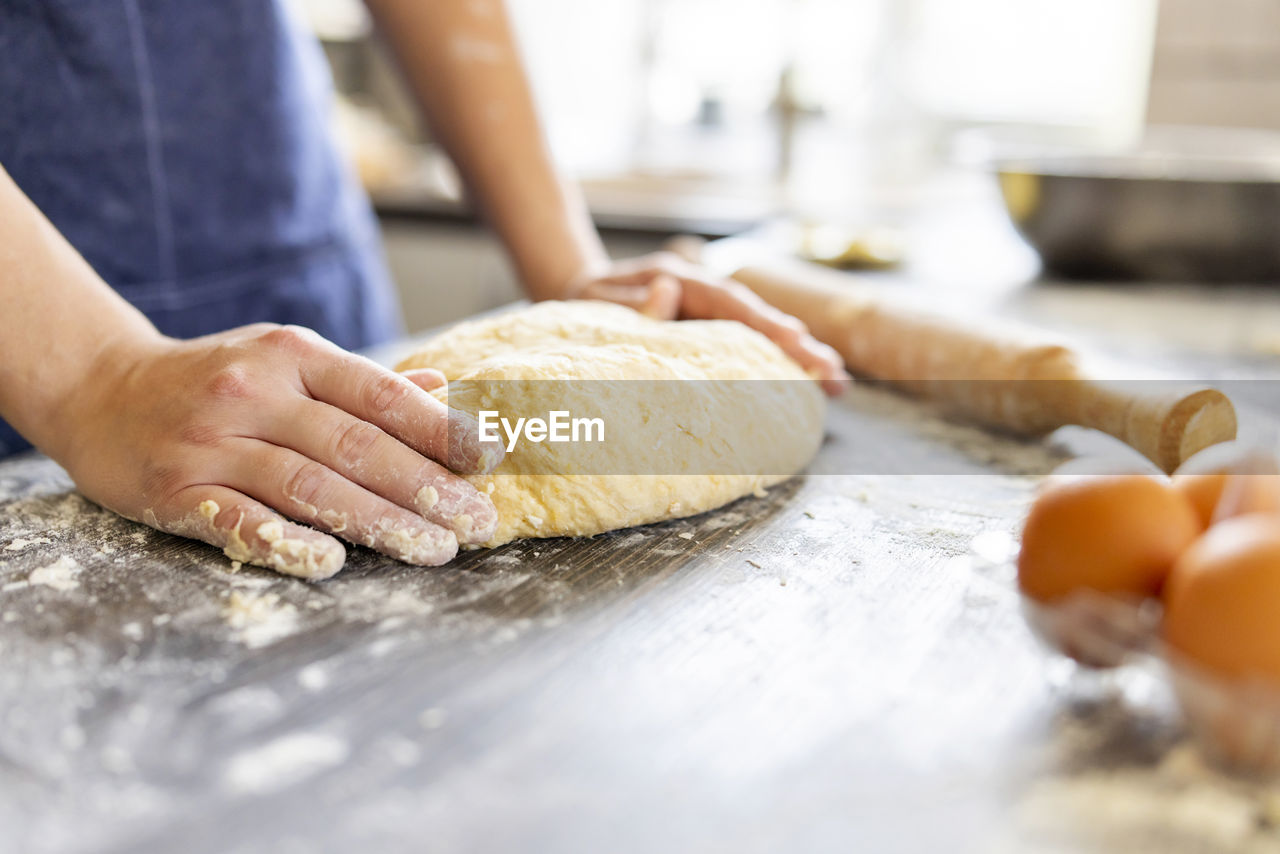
{"x": 836, "y": 666}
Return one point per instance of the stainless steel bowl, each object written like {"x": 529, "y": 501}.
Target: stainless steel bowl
{"x": 1199, "y": 205}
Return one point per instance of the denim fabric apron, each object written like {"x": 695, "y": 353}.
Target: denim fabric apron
{"x": 183, "y": 147}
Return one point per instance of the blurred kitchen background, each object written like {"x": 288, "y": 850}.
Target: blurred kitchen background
{"x": 869, "y": 126}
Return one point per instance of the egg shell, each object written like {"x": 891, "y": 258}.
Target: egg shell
{"x": 1109, "y": 533}
{"x": 1222, "y": 600}
{"x": 1217, "y": 497}
{"x": 1228, "y": 480}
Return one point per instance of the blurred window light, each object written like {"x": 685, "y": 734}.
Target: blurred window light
{"x": 654, "y": 81}
{"x": 1083, "y": 64}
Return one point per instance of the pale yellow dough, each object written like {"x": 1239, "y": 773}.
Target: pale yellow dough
{"x": 734, "y": 437}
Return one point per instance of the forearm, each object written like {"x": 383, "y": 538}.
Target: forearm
{"x": 58, "y": 319}
{"x": 461, "y": 59}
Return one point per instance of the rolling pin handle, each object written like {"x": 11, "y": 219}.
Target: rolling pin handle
{"x": 1165, "y": 427}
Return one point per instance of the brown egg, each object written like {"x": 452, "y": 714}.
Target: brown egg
{"x": 1222, "y": 602}
{"x": 1230, "y": 480}
{"x": 1107, "y": 533}
{"x": 1221, "y": 628}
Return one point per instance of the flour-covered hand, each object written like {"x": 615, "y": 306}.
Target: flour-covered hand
{"x": 229, "y": 437}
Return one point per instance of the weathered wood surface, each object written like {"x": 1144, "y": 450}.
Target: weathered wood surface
{"x": 832, "y": 667}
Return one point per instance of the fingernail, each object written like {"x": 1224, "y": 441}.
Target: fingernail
{"x": 418, "y": 544}
{"x": 455, "y": 505}
{"x": 312, "y": 557}
{"x": 467, "y": 454}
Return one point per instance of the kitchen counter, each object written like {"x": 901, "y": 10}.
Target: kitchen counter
{"x": 839, "y": 665}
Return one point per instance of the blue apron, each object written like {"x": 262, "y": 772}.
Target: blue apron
{"x": 184, "y": 149}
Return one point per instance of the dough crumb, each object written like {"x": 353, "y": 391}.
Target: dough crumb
{"x": 464, "y": 526}
{"x": 133, "y": 631}
{"x": 427, "y": 498}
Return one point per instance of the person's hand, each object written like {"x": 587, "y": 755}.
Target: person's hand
{"x": 665, "y": 286}
{"x": 206, "y": 438}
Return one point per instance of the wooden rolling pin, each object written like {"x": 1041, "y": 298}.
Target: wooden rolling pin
{"x": 1000, "y": 375}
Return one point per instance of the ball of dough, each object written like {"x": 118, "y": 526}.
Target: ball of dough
{"x": 696, "y": 413}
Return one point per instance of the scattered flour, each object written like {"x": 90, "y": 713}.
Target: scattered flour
{"x": 406, "y": 602}
{"x": 116, "y": 760}
{"x": 60, "y": 575}
{"x": 72, "y": 737}
{"x": 1181, "y": 803}
{"x": 634, "y": 538}
{"x": 259, "y": 620}
{"x": 313, "y": 677}
{"x": 402, "y": 751}
{"x": 25, "y": 542}
{"x": 433, "y": 718}
{"x": 284, "y": 762}
{"x": 1133, "y": 805}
